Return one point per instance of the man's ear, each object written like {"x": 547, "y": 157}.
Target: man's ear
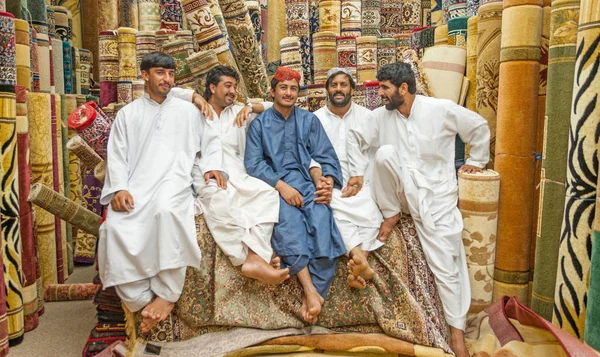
{"x": 213, "y": 88}
{"x": 404, "y": 88}
{"x": 145, "y": 76}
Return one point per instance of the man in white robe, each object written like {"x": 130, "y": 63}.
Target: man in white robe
{"x": 240, "y": 218}
{"x": 356, "y": 214}
{"x": 414, "y": 173}
{"x": 145, "y": 247}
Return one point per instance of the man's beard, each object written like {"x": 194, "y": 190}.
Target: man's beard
{"x": 342, "y": 103}
{"x": 394, "y": 102}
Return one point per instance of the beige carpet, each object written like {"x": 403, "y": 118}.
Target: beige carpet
{"x": 64, "y": 327}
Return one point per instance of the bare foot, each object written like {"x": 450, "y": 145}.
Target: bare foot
{"x": 256, "y": 268}
{"x": 276, "y": 262}
{"x": 356, "y": 282}
{"x": 311, "y": 306}
{"x": 457, "y": 343}
{"x": 386, "y": 227}
{"x": 156, "y": 311}
{"x": 358, "y": 266}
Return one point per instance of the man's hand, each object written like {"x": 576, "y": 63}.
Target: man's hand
{"x": 242, "y": 116}
{"x": 289, "y": 194}
{"x": 218, "y": 176}
{"x": 354, "y": 186}
{"x": 469, "y": 169}
{"x": 203, "y": 105}
{"x": 122, "y": 202}
{"x": 324, "y": 190}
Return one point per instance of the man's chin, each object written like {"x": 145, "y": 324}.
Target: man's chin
{"x": 390, "y": 106}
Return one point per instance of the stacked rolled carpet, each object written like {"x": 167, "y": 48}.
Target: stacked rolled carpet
{"x": 145, "y": 42}
{"x": 371, "y": 17}
{"x": 3, "y": 318}
{"x": 391, "y": 17}
{"x": 478, "y": 196}
{"x": 171, "y": 14}
{"x": 316, "y": 97}
{"x": 92, "y": 126}
{"x": 276, "y": 29}
{"x": 245, "y": 47}
{"x": 108, "y": 11}
{"x": 57, "y": 61}
{"x": 445, "y": 67}
{"x": 372, "y": 94}
{"x": 582, "y": 178}
{"x": 290, "y": 55}
{"x": 68, "y": 66}
{"x": 129, "y": 13}
{"x": 473, "y": 38}
{"x": 488, "y": 68}
{"x": 127, "y": 64}
{"x": 366, "y": 58}
{"x": 360, "y": 96}
{"x": 298, "y": 25}
{"x": 178, "y": 49}
{"x": 71, "y": 292}
{"x": 346, "y": 54}
{"x": 421, "y": 78}
{"x": 57, "y": 184}
{"x": 351, "y": 18}
{"x": 329, "y": 16}
{"x": 441, "y": 35}
{"x": 200, "y": 64}
{"x": 43, "y": 56}
{"x": 23, "y": 53}
{"x": 85, "y": 65}
{"x": 325, "y": 54}
{"x": 561, "y": 67}
{"x": 402, "y": 44}
{"x": 515, "y": 161}
{"x": 109, "y": 66}
{"x": 386, "y": 51}
{"x": 254, "y": 12}
{"x": 301, "y": 101}
{"x": 457, "y": 31}
{"x": 592, "y": 321}
{"x": 149, "y": 15}
{"x": 28, "y": 256}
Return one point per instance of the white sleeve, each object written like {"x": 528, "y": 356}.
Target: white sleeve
{"x": 183, "y": 94}
{"x": 117, "y": 167}
{"x": 362, "y": 136}
{"x": 474, "y": 130}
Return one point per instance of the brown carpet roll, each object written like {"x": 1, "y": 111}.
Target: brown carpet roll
{"x": 70, "y": 292}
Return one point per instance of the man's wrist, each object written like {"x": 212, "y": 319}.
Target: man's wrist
{"x": 251, "y": 106}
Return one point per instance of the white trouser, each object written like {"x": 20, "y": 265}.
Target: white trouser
{"x": 167, "y": 284}
{"x": 442, "y": 245}
{"x": 355, "y": 236}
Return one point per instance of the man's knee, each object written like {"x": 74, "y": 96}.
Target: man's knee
{"x": 384, "y": 154}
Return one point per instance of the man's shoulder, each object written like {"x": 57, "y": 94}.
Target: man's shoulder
{"x": 185, "y": 105}
{"x": 320, "y": 113}
{"x": 434, "y": 102}
{"x": 360, "y": 110}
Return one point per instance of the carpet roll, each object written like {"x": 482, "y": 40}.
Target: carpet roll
{"x": 188, "y": 37}
{"x": 37, "y": 9}
{"x": 290, "y": 55}
{"x": 86, "y": 155}
{"x": 85, "y": 250}
{"x": 57, "y": 59}
{"x": 329, "y": 16}
{"x": 68, "y": 67}
{"x": 351, "y": 18}
{"x": 371, "y": 17}
{"x": 386, "y": 51}
{"x": 149, "y": 15}
{"x": 200, "y": 64}
{"x": 421, "y": 78}
{"x": 56, "y": 184}
{"x": 488, "y": 68}
{"x": 71, "y": 292}
{"x": 246, "y": 49}
{"x": 298, "y": 25}
{"x": 3, "y": 318}
{"x": 28, "y": 256}
{"x": 145, "y": 42}
{"x": 582, "y": 178}
{"x": 43, "y": 56}
{"x": 100, "y": 171}
{"x": 561, "y": 67}
{"x": 359, "y": 96}
{"x": 478, "y": 196}
{"x": 441, "y": 35}
{"x": 346, "y": 54}
{"x": 109, "y": 66}
{"x": 592, "y": 322}
{"x": 23, "y": 53}
{"x": 66, "y": 184}
{"x": 61, "y": 22}
{"x": 64, "y": 208}
{"x": 325, "y": 54}
{"x": 472, "y": 40}
{"x": 127, "y": 59}
{"x": 276, "y": 29}
{"x": 402, "y": 44}
{"x": 129, "y": 13}
{"x": 178, "y": 49}
{"x": 9, "y": 210}
{"x": 391, "y": 17}
{"x": 93, "y": 127}
{"x": 445, "y": 67}
{"x": 518, "y": 88}
{"x": 457, "y": 31}
{"x": 366, "y": 58}
{"x": 411, "y": 15}
{"x": 254, "y": 12}
{"x": 85, "y": 65}
{"x": 171, "y": 15}
{"x": 372, "y": 94}
{"x": 137, "y": 90}
{"x": 316, "y": 97}
{"x": 109, "y": 14}
{"x": 39, "y": 111}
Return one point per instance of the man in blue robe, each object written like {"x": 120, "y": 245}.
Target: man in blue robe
{"x": 279, "y": 147}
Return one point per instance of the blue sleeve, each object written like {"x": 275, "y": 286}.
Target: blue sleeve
{"x": 321, "y": 150}
{"x": 254, "y": 159}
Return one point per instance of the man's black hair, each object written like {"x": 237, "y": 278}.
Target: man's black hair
{"x": 352, "y": 83}
{"x": 157, "y": 59}
{"x": 214, "y": 77}
{"x": 398, "y": 73}
{"x": 274, "y": 83}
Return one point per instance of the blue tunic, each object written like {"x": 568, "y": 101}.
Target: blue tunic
{"x": 280, "y": 149}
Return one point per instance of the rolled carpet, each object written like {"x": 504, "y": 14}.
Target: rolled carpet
{"x": 109, "y": 66}
{"x": 129, "y": 13}
{"x": 109, "y": 14}
{"x": 178, "y": 49}
{"x": 360, "y": 96}
{"x": 561, "y": 69}
{"x": 457, "y": 31}
{"x": 298, "y": 25}
{"x": 472, "y": 39}
{"x": 592, "y": 321}
{"x": 171, "y": 15}
{"x": 411, "y": 14}
{"x": 3, "y": 318}
{"x": 316, "y": 97}
{"x": 100, "y": 171}
{"x": 64, "y": 208}
{"x": 346, "y": 54}
{"x": 421, "y": 78}
{"x": 39, "y": 110}
{"x": 290, "y": 55}
{"x": 85, "y": 250}
{"x": 441, "y": 35}
{"x": 200, "y": 64}
{"x": 71, "y": 292}
{"x": 325, "y": 55}
{"x": 28, "y": 256}
{"x": 127, "y": 59}
{"x": 9, "y": 194}
{"x": 386, "y": 51}
{"x": 582, "y": 178}
{"x": 488, "y": 68}
{"x": 43, "y": 57}
{"x": 301, "y": 101}
{"x": 245, "y": 47}
{"x": 92, "y": 126}
{"x": 137, "y": 90}
{"x": 276, "y": 29}
{"x": 515, "y": 161}
{"x": 371, "y": 17}
{"x": 254, "y": 12}
{"x": 85, "y": 65}
{"x": 329, "y": 16}
{"x": 145, "y": 42}
{"x": 57, "y": 59}
{"x": 445, "y": 67}
{"x": 23, "y": 53}
{"x": 68, "y": 67}
{"x": 351, "y": 18}
{"x": 149, "y": 15}
{"x": 66, "y": 184}
{"x": 391, "y": 17}
{"x": 478, "y": 196}
{"x": 372, "y": 94}
{"x": 56, "y": 184}
{"x": 402, "y": 44}
{"x": 86, "y": 155}
{"x": 366, "y": 58}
